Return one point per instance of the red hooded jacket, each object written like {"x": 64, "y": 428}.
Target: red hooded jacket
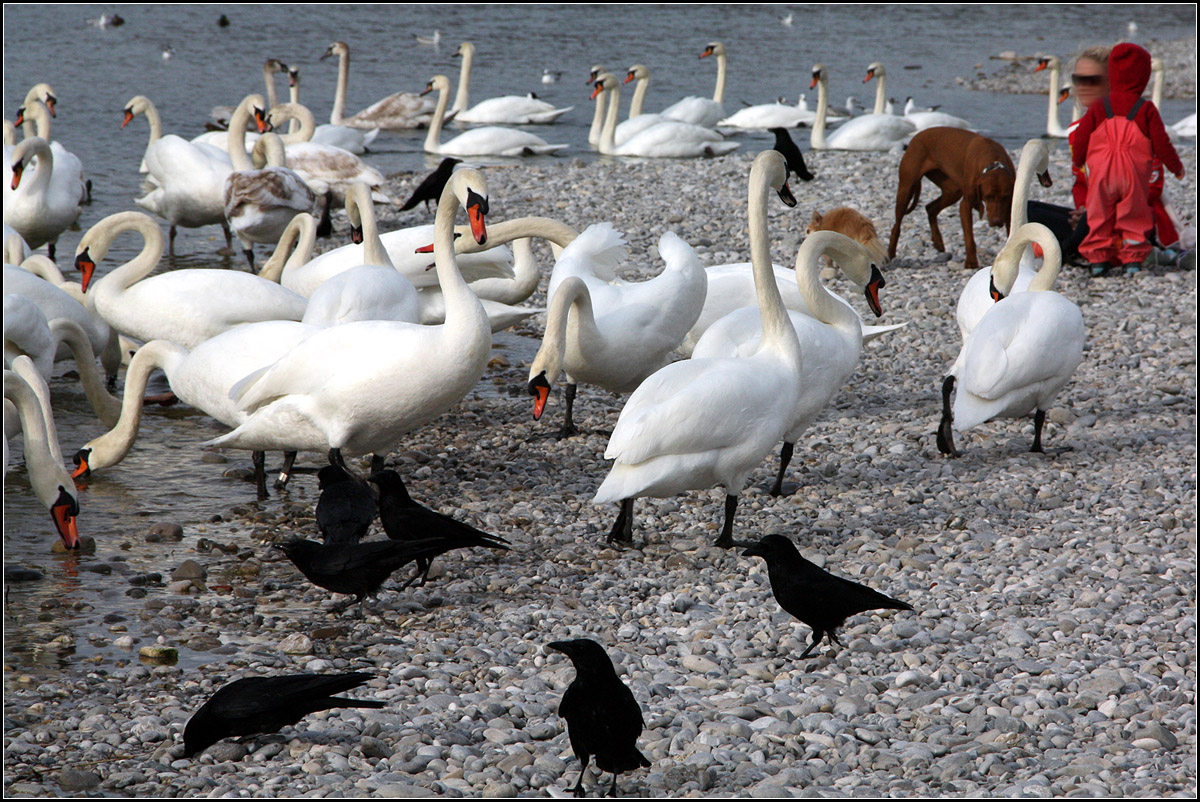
{"x": 1128, "y": 74}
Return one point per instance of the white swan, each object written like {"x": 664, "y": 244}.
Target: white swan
{"x": 397, "y": 112}
{"x": 259, "y": 203}
{"x": 769, "y": 115}
{"x": 705, "y": 422}
{"x": 669, "y": 139}
{"x": 1183, "y": 128}
{"x": 324, "y": 167}
{"x": 50, "y": 481}
{"x": 878, "y": 131}
{"x": 224, "y": 114}
{"x": 698, "y": 110}
{"x": 186, "y": 307}
{"x": 506, "y": 110}
{"x": 1053, "y": 127}
{"x": 187, "y": 179}
{"x": 638, "y": 120}
{"x": 490, "y": 140}
{"x": 830, "y": 336}
{"x": 40, "y": 206}
{"x": 16, "y": 249}
{"x": 348, "y": 138}
{"x": 358, "y": 387}
{"x": 1016, "y": 360}
{"x": 977, "y": 298}
{"x": 926, "y": 118}
{"x": 67, "y": 165}
{"x": 610, "y": 333}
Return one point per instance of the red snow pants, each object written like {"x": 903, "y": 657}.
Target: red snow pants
{"x": 1119, "y": 161}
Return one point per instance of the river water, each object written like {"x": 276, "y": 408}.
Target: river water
{"x": 96, "y": 71}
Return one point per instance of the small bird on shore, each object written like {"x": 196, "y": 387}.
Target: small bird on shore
{"x": 815, "y": 596}
{"x": 346, "y": 508}
{"x": 791, "y": 154}
{"x": 257, "y": 705}
{"x": 603, "y": 718}
{"x": 406, "y": 521}
{"x": 430, "y": 189}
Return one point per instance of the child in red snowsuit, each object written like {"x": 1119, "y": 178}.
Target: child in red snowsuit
{"x": 1118, "y": 140}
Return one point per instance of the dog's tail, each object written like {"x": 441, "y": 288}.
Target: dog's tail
{"x": 914, "y": 197}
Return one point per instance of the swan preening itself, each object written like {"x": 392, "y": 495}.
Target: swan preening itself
{"x": 490, "y": 140}
{"x": 705, "y": 422}
{"x": 877, "y": 131}
{"x": 507, "y": 110}
{"x": 611, "y": 333}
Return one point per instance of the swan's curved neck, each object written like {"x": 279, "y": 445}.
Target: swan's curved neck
{"x": 295, "y": 111}
{"x": 269, "y": 80}
{"x": 40, "y": 266}
{"x": 558, "y": 234}
{"x": 152, "y": 117}
{"x": 360, "y": 206}
{"x": 571, "y": 295}
{"x": 719, "y": 91}
{"x": 41, "y": 180}
{"x": 111, "y": 447}
{"x": 301, "y": 234}
{"x": 817, "y": 137}
{"x": 43, "y": 459}
{"x": 269, "y": 152}
{"x": 107, "y": 408}
{"x": 821, "y": 303}
{"x": 1034, "y": 159}
{"x": 10, "y": 133}
{"x": 461, "y": 303}
{"x": 137, "y": 268}
{"x": 608, "y": 137}
{"x": 462, "y": 97}
{"x": 598, "y": 120}
{"x": 1053, "y": 127}
{"x": 36, "y": 120}
{"x": 434, "y": 135}
{"x": 1006, "y": 266}
{"x": 294, "y": 97}
{"x": 639, "y": 96}
{"x": 777, "y": 326}
{"x": 236, "y": 142}
{"x": 881, "y": 93}
{"x": 337, "y": 116}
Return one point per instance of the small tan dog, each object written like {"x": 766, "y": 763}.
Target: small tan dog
{"x": 845, "y": 220}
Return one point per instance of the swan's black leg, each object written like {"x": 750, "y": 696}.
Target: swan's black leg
{"x": 285, "y": 473}
{"x": 50, "y": 249}
{"x": 377, "y": 463}
{"x": 726, "y": 540}
{"x": 228, "y": 237}
{"x": 785, "y": 457}
{"x": 945, "y": 432}
{"x": 1039, "y": 420}
{"x": 335, "y": 458}
{"x": 325, "y": 226}
{"x": 622, "y": 531}
{"x": 569, "y": 428}
{"x": 171, "y": 235}
{"x": 249, "y": 252}
{"x": 259, "y": 459}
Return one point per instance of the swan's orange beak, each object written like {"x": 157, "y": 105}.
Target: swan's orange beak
{"x": 597, "y": 89}
{"x": 83, "y": 263}
{"x": 997, "y": 296}
{"x": 708, "y": 51}
{"x": 870, "y": 75}
{"x": 82, "y": 471}
{"x": 64, "y": 512}
{"x": 1042, "y": 64}
{"x": 872, "y": 292}
{"x": 1038, "y": 252}
{"x": 428, "y": 88}
{"x": 1064, "y": 93}
{"x": 20, "y": 117}
{"x": 356, "y": 235}
{"x": 128, "y": 118}
{"x": 816, "y": 79}
{"x": 51, "y": 101}
{"x": 17, "y": 169}
{"x": 477, "y": 208}
{"x": 261, "y": 122}
{"x": 1044, "y": 179}
{"x": 629, "y": 77}
{"x": 539, "y": 388}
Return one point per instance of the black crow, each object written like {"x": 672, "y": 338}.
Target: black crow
{"x": 792, "y": 154}
{"x": 431, "y": 188}
{"x": 815, "y": 596}
{"x": 346, "y": 507}
{"x": 405, "y": 520}
{"x": 266, "y": 704}
{"x": 603, "y": 718}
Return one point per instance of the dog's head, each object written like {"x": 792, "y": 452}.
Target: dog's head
{"x": 994, "y": 192}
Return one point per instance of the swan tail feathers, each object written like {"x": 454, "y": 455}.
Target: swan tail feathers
{"x": 241, "y": 391}
{"x": 605, "y": 249}
{"x": 871, "y": 332}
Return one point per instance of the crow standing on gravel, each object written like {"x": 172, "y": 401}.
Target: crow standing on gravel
{"x": 603, "y": 718}
{"x": 791, "y": 154}
{"x": 431, "y": 188}
{"x": 266, "y": 704}
{"x": 346, "y": 508}
{"x": 815, "y": 596}
{"x": 405, "y": 520}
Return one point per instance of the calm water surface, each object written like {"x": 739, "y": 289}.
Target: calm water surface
{"x": 95, "y": 72}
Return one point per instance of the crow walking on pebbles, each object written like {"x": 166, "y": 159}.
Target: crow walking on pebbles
{"x": 815, "y": 596}
{"x": 405, "y": 520}
{"x": 603, "y": 718}
{"x": 430, "y": 189}
{"x": 346, "y": 508}
{"x": 266, "y": 704}
{"x": 791, "y": 154}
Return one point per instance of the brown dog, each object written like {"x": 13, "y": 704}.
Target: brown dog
{"x": 964, "y": 165}
{"x": 845, "y": 220}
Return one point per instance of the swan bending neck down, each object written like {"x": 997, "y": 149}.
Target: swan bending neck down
{"x": 830, "y": 335}
{"x": 50, "y": 481}
{"x": 613, "y": 334}
{"x": 1019, "y": 356}
{"x": 357, "y": 388}
{"x": 1053, "y": 126}
{"x": 705, "y": 422}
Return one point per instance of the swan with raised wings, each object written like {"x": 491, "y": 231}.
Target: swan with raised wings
{"x": 705, "y": 422}
{"x": 1016, "y": 359}
{"x": 358, "y": 388}
{"x": 186, "y": 307}
{"x": 669, "y": 139}
{"x": 610, "y": 333}
{"x": 491, "y": 140}
{"x": 830, "y": 335}
{"x": 506, "y": 110}
{"x": 401, "y": 111}
{"x": 875, "y": 131}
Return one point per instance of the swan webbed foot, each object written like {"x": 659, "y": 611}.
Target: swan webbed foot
{"x": 1039, "y": 420}
{"x": 568, "y": 430}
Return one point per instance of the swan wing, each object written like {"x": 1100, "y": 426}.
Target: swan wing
{"x": 513, "y": 110}
{"x": 594, "y": 254}
{"x": 272, "y": 187}
{"x": 701, "y": 111}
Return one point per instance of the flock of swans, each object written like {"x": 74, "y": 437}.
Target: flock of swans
{"x": 346, "y": 352}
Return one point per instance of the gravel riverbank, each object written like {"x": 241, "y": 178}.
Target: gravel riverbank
{"x": 1051, "y": 652}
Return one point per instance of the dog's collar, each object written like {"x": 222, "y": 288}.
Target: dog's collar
{"x": 994, "y": 166}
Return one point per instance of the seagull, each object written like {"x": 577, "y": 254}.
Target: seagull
{"x": 551, "y": 76}
{"x": 787, "y": 21}
{"x": 168, "y": 51}
{"x": 434, "y": 40}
